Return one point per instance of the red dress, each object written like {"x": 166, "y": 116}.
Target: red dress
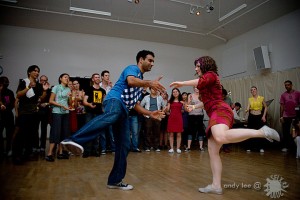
{"x": 218, "y": 111}
{"x": 175, "y": 122}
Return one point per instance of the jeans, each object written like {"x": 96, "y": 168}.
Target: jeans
{"x": 134, "y": 129}
{"x": 287, "y": 140}
{"x": 111, "y": 139}
{"x": 94, "y": 144}
{"x": 115, "y": 115}
{"x": 60, "y": 128}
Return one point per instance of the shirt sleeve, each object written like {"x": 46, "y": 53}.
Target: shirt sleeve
{"x": 206, "y": 80}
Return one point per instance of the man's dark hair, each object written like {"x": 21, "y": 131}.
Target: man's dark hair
{"x": 143, "y": 54}
{"x": 288, "y": 81}
{"x": 103, "y": 72}
{"x": 32, "y": 68}
{"x": 238, "y": 104}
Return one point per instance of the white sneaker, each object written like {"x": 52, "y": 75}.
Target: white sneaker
{"x": 178, "y": 151}
{"x": 270, "y": 133}
{"x": 284, "y": 150}
{"x": 157, "y": 150}
{"x": 120, "y": 186}
{"x": 262, "y": 151}
{"x": 248, "y": 150}
{"x": 72, "y": 147}
{"x": 171, "y": 151}
{"x": 209, "y": 189}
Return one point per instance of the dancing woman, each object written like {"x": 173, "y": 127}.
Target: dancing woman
{"x": 220, "y": 118}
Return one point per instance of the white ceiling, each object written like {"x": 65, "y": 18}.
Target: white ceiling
{"x": 135, "y": 21}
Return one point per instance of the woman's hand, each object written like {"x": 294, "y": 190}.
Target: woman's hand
{"x": 176, "y": 84}
{"x": 263, "y": 119}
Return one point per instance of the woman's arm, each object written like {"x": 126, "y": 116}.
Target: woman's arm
{"x": 178, "y": 84}
{"x": 265, "y": 111}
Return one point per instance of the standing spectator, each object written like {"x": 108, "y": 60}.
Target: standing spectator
{"x": 288, "y": 102}
{"x": 152, "y": 102}
{"x": 93, "y": 101}
{"x": 106, "y": 84}
{"x": 72, "y": 112}
{"x": 78, "y": 96}
{"x": 296, "y": 135}
{"x": 236, "y": 116}
{"x": 122, "y": 98}
{"x": 7, "y": 101}
{"x": 60, "y": 99}
{"x": 29, "y": 92}
{"x": 185, "y": 115}
{"x": 163, "y": 141}
{"x": 141, "y": 118}
{"x": 257, "y": 109}
{"x": 43, "y": 115}
{"x": 195, "y": 121}
{"x": 175, "y": 121}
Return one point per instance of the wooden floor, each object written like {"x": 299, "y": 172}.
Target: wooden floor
{"x": 154, "y": 176}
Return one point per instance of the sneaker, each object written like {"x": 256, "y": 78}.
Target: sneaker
{"x": 178, "y": 151}
{"x": 187, "y": 150}
{"x": 157, "y": 150}
{"x": 248, "y": 150}
{"x": 171, "y": 151}
{"x": 9, "y": 153}
{"x": 103, "y": 152}
{"x": 262, "y": 151}
{"x": 121, "y": 186}
{"x": 284, "y": 150}
{"x": 202, "y": 149}
{"x": 137, "y": 150}
{"x": 147, "y": 150}
{"x": 49, "y": 158}
{"x": 85, "y": 155}
{"x": 270, "y": 133}
{"x": 62, "y": 156}
{"x": 73, "y": 147}
{"x": 209, "y": 189}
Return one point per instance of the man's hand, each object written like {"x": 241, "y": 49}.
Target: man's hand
{"x": 158, "y": 115}
{"x": 156, "y": 85}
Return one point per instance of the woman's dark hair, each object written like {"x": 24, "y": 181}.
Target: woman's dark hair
{"x": 59, "y": 81}
{"x": 32, "y": 68}
{"x": 143, "y": 54}
{"x": 206, "y": 64}
{"x": 172, "y": 98}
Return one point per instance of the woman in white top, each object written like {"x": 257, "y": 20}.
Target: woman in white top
{"x": 195, "y": 121}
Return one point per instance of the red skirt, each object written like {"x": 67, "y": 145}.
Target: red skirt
{"x": 73, "y": 121}
{"x": 219, "y": 113}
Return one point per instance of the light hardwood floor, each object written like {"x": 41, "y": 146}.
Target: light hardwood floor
{"x": 154, "y": 176}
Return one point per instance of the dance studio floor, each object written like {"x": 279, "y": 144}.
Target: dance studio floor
{"x": 155, "y": 176}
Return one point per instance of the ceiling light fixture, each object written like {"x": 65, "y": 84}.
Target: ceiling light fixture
{"x": 233, "y": 12}
{"x": 135, "y": 1}
{"x": 169, "y": 24}
{"x": 195, "y": 9}
{"x": 90, "y": 11}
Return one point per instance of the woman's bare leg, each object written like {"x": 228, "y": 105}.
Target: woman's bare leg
{"x": 215, "y": 162}
{"x": 178, "y": 140}
{"x": 171, "y": 139}
{"x": 223, "y": 135}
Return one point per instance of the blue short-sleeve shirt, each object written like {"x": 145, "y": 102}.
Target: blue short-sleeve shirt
{"x": 129, "y": 96}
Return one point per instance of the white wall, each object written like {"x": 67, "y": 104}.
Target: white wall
{"x": 280, "y": 35}
{"x": 82, "y": 55}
